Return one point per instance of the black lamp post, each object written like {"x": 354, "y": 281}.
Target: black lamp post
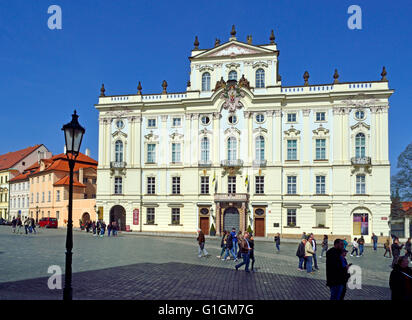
{"x": 73, "y": 134}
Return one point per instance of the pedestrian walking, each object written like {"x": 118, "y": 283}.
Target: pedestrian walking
{"x": 374, "y": 239}
{"x": 252, "y": 250}
{"x": 314, "y": 247}
{"x": 98, "y": 226}
{"x": 109, "y": 229}
{"x": 396, "y": 251}
{"x": 324, "y": 245}
{"x": 19, "y": 225}
{"x": 355, "y": 246}
{"x": 94, "y": 229}
{"x": 33, "y": 225}
{"x": 239, "y": 238}
{"x": 277, "y": 241}
{"x": 400, "y": 280}
{"x": 335, "y": 271}
{"x": 309, "y": 254}
{"x": 234, "y": 240}
{"x": 345, "y": 243}
{"x": 303, "y": 236}
{"x": 408, "y": 248}
{"x": 26, "y": 225}
{"x": 102, "y": 229}
{"x": 244, "y": 248}
{"x": 300, "y": 253}
{"x": 223, "y": 244}
{"x": 201, "y": 240}
{"x": 13, "y": 224}
{"x": 387, "y": 248}
{"x": 361, "y": 242}
{"x": 346, "y": 267}
{"x": 229, "y": 248}
{"x": 114, "y": 229}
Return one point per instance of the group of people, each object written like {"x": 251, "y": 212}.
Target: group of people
{"x": 307, "y": 253}
{"x": 99, "y": 228}
{"x": 29, "y": 225}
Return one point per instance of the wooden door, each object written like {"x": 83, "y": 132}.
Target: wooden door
{"x": 204, "y": 225}
{"x": 259, "y": 227}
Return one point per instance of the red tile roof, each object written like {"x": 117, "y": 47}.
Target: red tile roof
{"x": 406, "y": 205}
{"x": 65, "y": 181}
{"x": 9, "y": 159}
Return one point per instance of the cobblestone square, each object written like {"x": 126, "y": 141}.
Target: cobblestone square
{"x": 153, "y": 267}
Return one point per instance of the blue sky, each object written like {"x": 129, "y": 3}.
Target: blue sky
{"x": 45, "y": 74}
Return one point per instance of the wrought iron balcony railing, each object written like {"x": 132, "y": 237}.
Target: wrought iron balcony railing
{"x": 205, "y": 163}
{"x": 259, "y": 163}
{"x": 117, "y": 164}
{"x": 231, "y": 163}
{"x": 361, "y": 160}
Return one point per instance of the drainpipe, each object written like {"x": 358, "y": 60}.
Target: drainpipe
{"x": 141, "y": 173}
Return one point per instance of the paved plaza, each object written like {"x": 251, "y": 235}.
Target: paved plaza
{"x": 148, "y": 267}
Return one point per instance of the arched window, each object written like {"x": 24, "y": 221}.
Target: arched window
{"x": 260, "y": 78}
{"x": 360, "y": 145}
{"x": 206, "y": 81}
{"x": 231, "y": 148}
{"x": 260, "y": 148}
{"x": 204, "y": 149}
{"x": 232, "y": 75}
{"x": 118, "y": 154}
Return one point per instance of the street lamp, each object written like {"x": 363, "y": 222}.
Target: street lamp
{"x": 73, "y": 135}
{"x": 37, "y": 214}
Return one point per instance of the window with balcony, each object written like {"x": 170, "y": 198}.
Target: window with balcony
{"x": 292, "y": 150}
{"x": 150, "y": 215}
{"x": 260, "y": 148}
{"x": 320, "y": 149}
{"x": 118, "y": 185}
{"x": 175, "y": 185}
{"x": 151, "y": 185}
{"x": 320, "y": 184}
{"x": 232, "y": 149}
{"x": 291, "y": 184}
{"x": 175, "y": 215}
{"x": 204, "y": 185}
{"x": 360, "y": 145}
{"x": 360, "y": 184}
{"x": 260, "y": 184}
{"x": 118, "y": 153}
{"x": 231, "y": 187}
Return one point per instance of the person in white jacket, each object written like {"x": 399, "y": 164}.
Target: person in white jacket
{"x": 355, "y": 247}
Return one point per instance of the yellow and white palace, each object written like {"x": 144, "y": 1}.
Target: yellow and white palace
{"x": 238, "y": 148}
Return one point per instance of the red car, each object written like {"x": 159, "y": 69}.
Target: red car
{"x": 48, "y": 223}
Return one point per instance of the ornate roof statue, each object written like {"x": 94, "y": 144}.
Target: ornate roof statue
{"x": 196, "y": 43}
{"x": 217, "y": 42}
{"x": 188, "y": 83}
{"x": 383, "y": 74}
{"x": 306, "y": 78}
{"x": 243, "y": 83}
{"x": 220, "y": 84}
{"x": 272, "y": 37}
{"x": 249, "y": 39}
{"x": 139, "y": 89}
{"x": 336, "y": 76}
{"x": 233, "y": 32}
{"x": 164, "y": 85}
{"x": 102, "y": 90}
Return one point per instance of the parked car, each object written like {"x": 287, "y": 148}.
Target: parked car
{"x": 48, "y": 223}
{"x": 5, "y": 222}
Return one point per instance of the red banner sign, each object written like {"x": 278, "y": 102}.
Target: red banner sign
{"x": 136, "y": 216}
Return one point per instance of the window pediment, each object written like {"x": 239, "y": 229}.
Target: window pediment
{"x": 360, "y": 125}
{"x": 259, "y": 130}
{"x": 151, "y": 136}
{"x": 119, "y": 133}
{"x": 176, "y": 136}
{"x": 259, "y": 64}
{"x": 204, "y": 131}
{"x": 232, "y": 65}
{"x": 321, "y": 131}
{"x": 292, "y": 132}
{"x": 232, "y": 130}
{"x": 205, "y": 67}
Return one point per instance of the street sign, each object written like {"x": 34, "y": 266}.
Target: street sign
{"x": 136, "y": 216}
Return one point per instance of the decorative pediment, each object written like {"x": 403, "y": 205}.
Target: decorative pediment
{"x": 176, "y": 136}
{"x": 321, "y": 130}
{"x": 233, "y": 48}
{"x": 259, "y": 130}
{"x": 232, "y": 130}
{"x": 360, "y": 101}
{"x": 260, "y": 64}
{"x": 119, "y": 133}
{"x": 291, "y": 132}
{"x": 360, "y": 125}
{"x": 151, "y": 136}
{"x": 117, "y": 114}
{"x": 205, "y": 131}
{"x": 205, "y": 68}
{"x": 232, "y": 65}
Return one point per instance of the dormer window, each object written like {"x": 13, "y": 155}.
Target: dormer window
{"x": 233, "y": 75}
{"x": 206, "y": 81}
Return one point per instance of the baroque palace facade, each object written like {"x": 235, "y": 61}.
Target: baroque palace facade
{"x": 237, "y": 149}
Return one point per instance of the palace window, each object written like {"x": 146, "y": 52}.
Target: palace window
{"x": 260, "y": 78}
{"x": 291, "y": 184}
{"x": 360, "y": 145}
{"x": 204, "y": 149}
{"x": 260, "y": 148}
{"x": 118, "y": 151}
{"x": 205, "y": 120}
{"x": 204, "y": 185}
{"x": 291, "y": 218}
{"x": 320, "y": 217}
{"x": 360, "y": 184}
{"x": 151, "y": 185}
{"x": 150, "y": 215}
{"x": 175, "y": 215}
{"x": 151, "y": 153}
{"x": 118, "y": 185}
{"x": 206, "y": 81}
{"x": 320, "y": 116}
{"x": 151, "y": 123}
{"x": 175, "y": 185}
{"x": 320, "y": 149}
{"x": 359, "y": 115}
{"x": 260, "y": 118}
{"x": 291, "y": 117}
{"x": 232, "y": 119}
{"x": 320, "y": 185}
{"x": 177, "y": 122}
{"x": 232, "y": 75}
{"x": 259, "y": 184}
{"x": 231, "y": 184}
{"x": 231, "y": 148}
{"x": 292, "y": 150}
{"x": 119, "y": 124}
{"x": 175, "y": 152}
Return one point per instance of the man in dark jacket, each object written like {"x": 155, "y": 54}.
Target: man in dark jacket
{"x": 400, "y": 280}
{"x": 300, "y": 253}
{"x": 201, "y": 240}
{"x": 335, "y": 271}
{"x": 396, "y": 251}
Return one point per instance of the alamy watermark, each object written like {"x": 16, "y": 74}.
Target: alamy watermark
{"x": 355, "y": 280}
{"x": 55, "y": 280}
{"x": 355, "y": 20}
{"x": 55, "y": 20}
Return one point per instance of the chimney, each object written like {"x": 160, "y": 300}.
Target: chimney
{"x": 81, "y": 175}
{"x": 87, "y": 152}
{"x": 64, "y": 149}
